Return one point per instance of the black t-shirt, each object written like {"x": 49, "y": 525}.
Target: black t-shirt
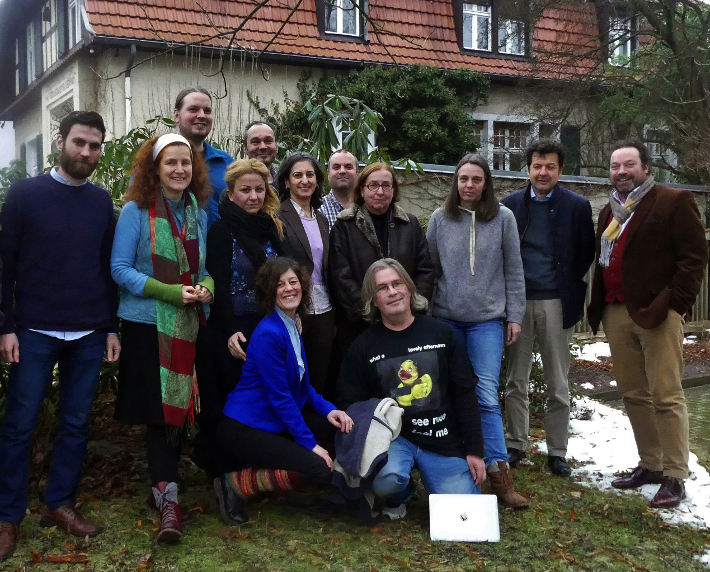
{"x": 426, "y": 369}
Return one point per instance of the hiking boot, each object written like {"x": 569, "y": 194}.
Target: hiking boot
{"x": 502, "y": 486}
{"x": 165, "y": 495}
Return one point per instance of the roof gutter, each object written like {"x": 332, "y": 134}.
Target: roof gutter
{"x": 284, "y": 58}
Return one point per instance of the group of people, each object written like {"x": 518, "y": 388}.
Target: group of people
{"x": 263, "y": 309}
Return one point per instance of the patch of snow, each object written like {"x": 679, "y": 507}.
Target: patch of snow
{"x": 605, "y": 445}
{"x": 612, "y": 383}
{"x": 587, "y": 386}
{"x": 592, "y": 352}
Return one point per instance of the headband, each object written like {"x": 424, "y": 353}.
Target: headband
{"x": 168, "y": 139}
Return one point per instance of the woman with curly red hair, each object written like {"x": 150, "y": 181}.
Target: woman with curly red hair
{"x": 158, "y": 261}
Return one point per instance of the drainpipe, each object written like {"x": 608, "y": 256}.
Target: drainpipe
{"x": 127, "y": 87}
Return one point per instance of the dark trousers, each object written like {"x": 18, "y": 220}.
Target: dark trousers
{"x": 318, "y": 333}
{"x": 243, "y": 446}
{"x": 79, "y": 364}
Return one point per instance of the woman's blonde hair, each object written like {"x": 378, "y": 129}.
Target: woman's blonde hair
{"x": 255, "y": 167}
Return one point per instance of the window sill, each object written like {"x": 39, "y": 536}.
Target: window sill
{"x": 494, "y": 55}
{"x": 342, "y": 37}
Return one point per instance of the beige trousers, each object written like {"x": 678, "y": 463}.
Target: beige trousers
{"x": 543, "y": 318}
{"x": 648, "y": 365}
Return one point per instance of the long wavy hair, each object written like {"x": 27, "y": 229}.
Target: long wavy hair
{"x": 488, "y": 207}
{"x": 146, "y": 179}
{"x": 271, "y": 204}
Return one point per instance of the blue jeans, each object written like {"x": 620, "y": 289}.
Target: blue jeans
{"x": 484, "y": 343}
{"x": 79, "y": 367}
{"x": 440, "y": 474}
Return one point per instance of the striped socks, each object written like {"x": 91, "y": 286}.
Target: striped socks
{"x": 248, "y": 482}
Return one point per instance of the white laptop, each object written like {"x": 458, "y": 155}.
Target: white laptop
{"x": 464, "y": 518}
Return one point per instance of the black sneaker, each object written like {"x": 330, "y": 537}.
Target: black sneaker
{"x": 230, "y": 505}
{"x": 559, "y": 466}
{"x": 515, "y": 456}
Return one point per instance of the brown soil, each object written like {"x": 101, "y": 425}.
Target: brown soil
{"x": 599, "y": 374}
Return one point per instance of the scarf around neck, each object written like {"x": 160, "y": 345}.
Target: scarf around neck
{"x": 251, "y": 231}
{"x": 176, "y": 260}
{"x": 621, "y": 215}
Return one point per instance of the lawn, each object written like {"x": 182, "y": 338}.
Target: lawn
{"x": 567, "y": 527}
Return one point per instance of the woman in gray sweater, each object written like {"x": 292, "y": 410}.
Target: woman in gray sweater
{"x": 479, "y": 287}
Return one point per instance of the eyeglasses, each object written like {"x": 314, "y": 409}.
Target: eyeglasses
{"x": 372, "y": 187}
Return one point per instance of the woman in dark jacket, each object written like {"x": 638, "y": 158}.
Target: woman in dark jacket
{"x": 374, "y": 228}
{"x": 299, "y": 183}
{"x": 246, "y": 235}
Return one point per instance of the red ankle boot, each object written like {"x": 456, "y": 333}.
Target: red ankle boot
{"x": 165, "y": 495}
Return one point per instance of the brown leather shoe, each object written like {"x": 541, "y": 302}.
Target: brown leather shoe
{"x": 8, "y": 539}
{"x": 670, "y": 494}
{"x": 68, "y": 518}
{"x": 638, "y": 477}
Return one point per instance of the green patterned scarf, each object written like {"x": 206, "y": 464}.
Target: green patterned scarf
{"x": 176, "y": 260}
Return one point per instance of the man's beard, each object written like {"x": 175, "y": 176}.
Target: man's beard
{"x": 76, "y": 168}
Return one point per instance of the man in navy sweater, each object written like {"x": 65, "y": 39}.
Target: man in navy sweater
{"x": 59, "y": 303}
{"x": 557, "y": 249}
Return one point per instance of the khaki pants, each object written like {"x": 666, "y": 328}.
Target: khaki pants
{"x": 543, "y": 318}
{"x": 648, "y": 365}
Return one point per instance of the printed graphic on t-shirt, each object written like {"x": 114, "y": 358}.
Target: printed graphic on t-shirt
{"x": 412, "y": 380}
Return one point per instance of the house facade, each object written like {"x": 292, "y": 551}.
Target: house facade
{"x": 128, "y": 59}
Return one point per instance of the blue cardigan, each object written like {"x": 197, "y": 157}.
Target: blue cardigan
{"x": 270, "y": 395}
{"x": 132, "y": 259}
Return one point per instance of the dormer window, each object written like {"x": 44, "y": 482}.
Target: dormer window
{"x": 622, "y": 40}
{"x": 494, "y": 26}
{"x": 342, "y": 17}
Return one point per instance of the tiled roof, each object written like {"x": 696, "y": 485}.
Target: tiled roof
{"x": 411, "y": 31}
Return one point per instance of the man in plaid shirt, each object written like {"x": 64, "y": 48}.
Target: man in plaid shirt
{"x": 342, "y": 176}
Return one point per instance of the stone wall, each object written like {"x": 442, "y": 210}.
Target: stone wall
{"x": 422, "y": 194}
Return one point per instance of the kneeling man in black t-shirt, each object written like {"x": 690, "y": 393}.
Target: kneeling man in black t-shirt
{"x": 419, "y": 362}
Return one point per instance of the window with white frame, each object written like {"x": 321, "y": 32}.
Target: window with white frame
{"x": 496, "y": 26}
{"x": 17, "y": 67}
{"x": 31, "y": 57}
{"x": 477, "y": 27}
{"x": 660, "y": 154}
{"x": 622, "y": 40}
{"x": 342, "y": 17}
{"x": 345, "y": 129}
{"x": 50, "y": 43}
{"x": 509, "y": 142}
{"x": 511, "y": 37}
{"x": 74, "y": 22}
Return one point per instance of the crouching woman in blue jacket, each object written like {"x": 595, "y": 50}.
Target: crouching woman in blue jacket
{"x": 273, "y": 419}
